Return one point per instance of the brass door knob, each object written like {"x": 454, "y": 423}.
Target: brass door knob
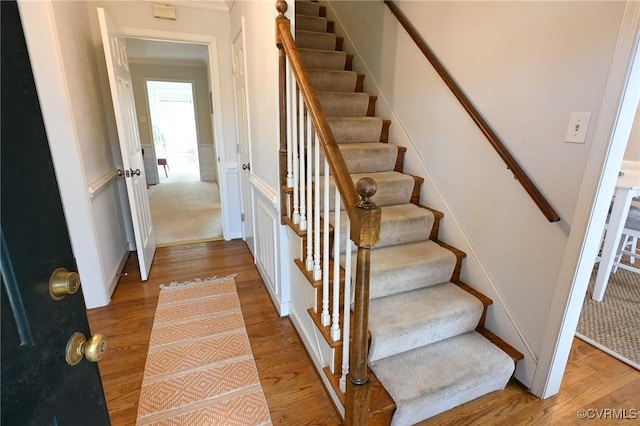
{"x": 79, "y": 347}
{"x": 62, "y": 283}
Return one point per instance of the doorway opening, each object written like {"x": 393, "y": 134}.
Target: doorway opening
{"x": 174, "y": 130}
{"x": 171, "y": 87}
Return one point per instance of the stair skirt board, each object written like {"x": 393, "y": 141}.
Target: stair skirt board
{"x": 424, "y": 347}
{"x": 435, "y": 378}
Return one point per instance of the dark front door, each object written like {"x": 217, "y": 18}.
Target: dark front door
{"x": 38, "y": 386}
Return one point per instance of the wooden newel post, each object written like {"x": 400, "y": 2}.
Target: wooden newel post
{"x": 281, "y": 7}
{"x": 358, "y": 397}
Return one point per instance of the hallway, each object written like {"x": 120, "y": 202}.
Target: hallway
{"x": 291, "y": 385}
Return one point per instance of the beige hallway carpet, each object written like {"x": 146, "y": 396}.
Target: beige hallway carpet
{"x": 200, "y": 369}
{"x": 613, "y": 325}
{"x": 185, "y": 212}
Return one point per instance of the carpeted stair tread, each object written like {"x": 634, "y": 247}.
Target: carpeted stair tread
{"x": 323, "y": 59}
{"x": 315, "y": 40}
{"x": 344, "y": 104}
{"x": 311, "y": 23}
{"x": 406, "y": 267}
{"x": 333, "y": 80}
{"x": 409, "y": 320}
{"x": 369, "y": 157}
{"x": 432, "y": 379}
{"x": 400, "y": 224}
{"x": 307, "y": 8}
{"x": 356, "y": 129}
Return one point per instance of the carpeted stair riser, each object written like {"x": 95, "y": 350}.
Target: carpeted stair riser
{"x": 407, "y": 267}
{"x": 393, "y": 188}
{"x": 431, "y": 379}
{"x": 344, "y": 104}
{"x": 356, "y": 129}
{"x": 428, "y": 315}
{"x": 333, "y": 80}
{"x": 400, "y": 224}
{"x": 323, "y": 59}
{"x": 368, "y": 157}
{"x": 315, "y": 40}
{"x": 311, "y": 23}
{"x": 308, "y": 8}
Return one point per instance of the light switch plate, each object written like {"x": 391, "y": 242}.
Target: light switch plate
{"x": 578, "y": 126}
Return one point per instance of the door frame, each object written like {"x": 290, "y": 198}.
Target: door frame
{"x": 216, "y": 100}
{"x": 613, "y": 127}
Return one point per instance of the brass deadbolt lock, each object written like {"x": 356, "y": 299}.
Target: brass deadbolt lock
{"x": 79, "y": 347}
{"x": 62, "y": 283}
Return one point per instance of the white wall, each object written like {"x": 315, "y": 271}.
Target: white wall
{"x": 165, "y": 70}
{"x": 262, "y": 84}
{"x": 527, "y": 66}
{"x": 632, "y": 153}
{"x": 66, "y": 71}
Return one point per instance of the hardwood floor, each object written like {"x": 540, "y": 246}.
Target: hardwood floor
{"x": 593, "y": 381}
{"x": 291, "y": 385}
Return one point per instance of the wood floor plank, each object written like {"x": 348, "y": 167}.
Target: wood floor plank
{"x": 294, "y": 391}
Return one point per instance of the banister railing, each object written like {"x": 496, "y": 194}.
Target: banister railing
{"x": 483, "y": 125}
{"x": 311, "y": 168}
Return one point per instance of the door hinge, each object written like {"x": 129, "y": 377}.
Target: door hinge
{"x": 242, "y": 217}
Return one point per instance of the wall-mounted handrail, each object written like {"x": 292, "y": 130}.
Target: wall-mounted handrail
{"x": 483, "y": 125}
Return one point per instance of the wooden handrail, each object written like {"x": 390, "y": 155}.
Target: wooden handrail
{"x": 483, "y": 125}
{"x": 365, "y": 216}
{"x": 341, "y": 175}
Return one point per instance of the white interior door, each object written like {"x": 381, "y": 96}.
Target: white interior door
{"x": 127, "y": 125}
{"x": 244, "y": 152}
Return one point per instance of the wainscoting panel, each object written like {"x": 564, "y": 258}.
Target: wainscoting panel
{"x": 268, "y": 242}
{"x": 208, "y": 163}
{"x": 266, "y": 245}
{"x": 111, "y": 241}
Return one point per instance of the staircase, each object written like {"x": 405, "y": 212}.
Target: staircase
{"x": 429, "y": 350}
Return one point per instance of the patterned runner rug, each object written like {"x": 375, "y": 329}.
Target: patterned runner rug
{"x": 200, "y": 369}
{"x": 613, "y": 325}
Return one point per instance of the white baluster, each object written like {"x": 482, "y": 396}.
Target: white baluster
{"x": 326, "y": 318}
{"x": 347, "y": 311}
{"x": 317, "y": 272}
{"x": 310, "y": 224}
{"x": 296, "y": 162}
{"x": 301, "y": 140}
{"x": 335, "y": 325}
{"x": 290, "y": 119}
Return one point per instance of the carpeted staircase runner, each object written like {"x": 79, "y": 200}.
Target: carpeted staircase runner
{"x": 424, "y": 348}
